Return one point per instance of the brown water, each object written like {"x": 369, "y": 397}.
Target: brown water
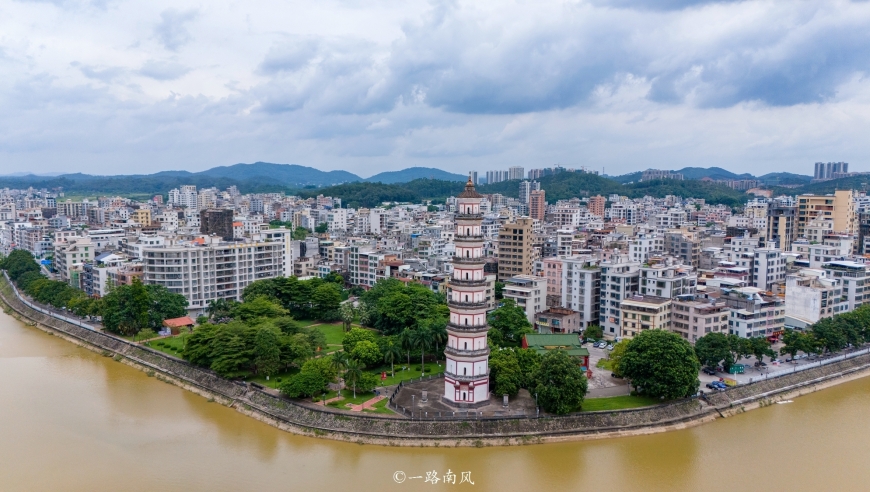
{"x": 73, "y": 420}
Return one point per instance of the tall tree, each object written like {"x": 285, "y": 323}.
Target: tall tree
{"x": 422, "y": 339}
{"x": 325, "y": 301}
{"x": 347, "y": 313}
{"x": 267, "y": 351}
{"x": 125, "y": 308}
{"x": 661, "y": 364}
{"x": 560, "y": 385}
{"x": 353, "y": 374}
{"x": 509, "y": 323}
{"x": 164, "y": 305}
{"x": 714, "y": 348}
{"x": 392, "y": 350}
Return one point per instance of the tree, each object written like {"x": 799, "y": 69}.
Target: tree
{"x": 661, "y": 364}
{"x": 353, "y": 373}
{"x": 164, "y": 304}
{"x": 347, "y": 313}
{"x": 304, "y": 384}
{"x": 560, "y": 385}
{"x": 367, "y": 353}
{"x": 616, "y": 356}
{"x": 339, "y": 362}
{"x": 356, "y": 335}
{"x": 229, "y": 352}
{"x": 220, "y": 310}
{"x": 392, "y": 350}
{"x": 829, "y": 335}
{"x": 267, "y": 351}
{"x": 145, "y": 334}
{"x": 258, "y": 308}
{"x": 321, "y": 228}
{"x": 322, "y": 366}
{"x": 125, "y": 308}
{"x": 796, "y": 341}
{"x": 529, "y": 362}
{"x": 422, "y": 339}
{"x": 499, "y": 290}
{"x": 300, "y": 233}
{"x": 367, "y": 382}
{"x": 593, "y": 332}
{"x": 406, "y": 338}
{"x": 713, "y": 348}
{"x": 325, "y": 301}
{"x": 510, "y": 323}
{"x": 504, "y": 372}
{"x": 760, "y": 346}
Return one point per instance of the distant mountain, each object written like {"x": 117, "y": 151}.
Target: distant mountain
{"x": 779, "y": 179}
{"x": 291, "y": 175}
{"x": 412, "y": 173}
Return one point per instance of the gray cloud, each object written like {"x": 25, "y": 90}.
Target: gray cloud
{"x": 163, "y": 70}
{"x": 172, "y": 31}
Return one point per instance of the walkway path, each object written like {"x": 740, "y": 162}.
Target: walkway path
{"x": 367, "y": 404}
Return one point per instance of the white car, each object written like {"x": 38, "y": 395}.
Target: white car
{"x": 609, "y": 347}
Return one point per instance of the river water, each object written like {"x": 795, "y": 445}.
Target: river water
{"x": 73, "y": 420}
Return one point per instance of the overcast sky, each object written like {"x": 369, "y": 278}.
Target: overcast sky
{"x": 115, "y": 87}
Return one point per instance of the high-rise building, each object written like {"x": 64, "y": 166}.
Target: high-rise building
{"x": 839, "y": 207}
{"x": 781, "y": 223}
{"x": 526, "y": 189}
{"x": 474, "y": 177}
{"x": 537, "y": 205}
{"x": 515, "y": 252}
{"x": 516, "y": 172}
{"x": 466, "y": 355}
{"x": 830, "y": 170}
{"x": 596, "y": 205}
{"x": 496, "y": 176}
{"x": 217, "y": 221}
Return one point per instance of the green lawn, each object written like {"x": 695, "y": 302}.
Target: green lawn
{"x": 334, "y": 333}
{"x": 380, "y": 407}
{"x": 604, "y": 364}
{"x": 347, "y": 397}
{"x": 618, "y": 403}
{"x": 273, "y": 381}
{"x": 170, "y": 345}
{"x": 412, "y": 373}
{"x": 307, "y": 322}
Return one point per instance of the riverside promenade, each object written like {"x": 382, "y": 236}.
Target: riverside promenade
{"x": 468, "y": 430}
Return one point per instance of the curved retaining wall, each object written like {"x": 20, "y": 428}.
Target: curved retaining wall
{"x": 306, "y": 418}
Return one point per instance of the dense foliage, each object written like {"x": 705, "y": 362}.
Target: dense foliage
{"x": 305, "y": 299}
{"x": 391, "y": 306}
{"x": 559, "y": 383}
{"x": 507, "y": 325}
{"x": 511, "y": 369}
{"x": 661, "y": 364}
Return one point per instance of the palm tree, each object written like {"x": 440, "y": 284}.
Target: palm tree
{"x": 406, "y": 338}
{"x": 339, "y": 362}
{"x": 353, "y": 373}
{"x": 392, "y": 351}
{"x": 422, "y": 338}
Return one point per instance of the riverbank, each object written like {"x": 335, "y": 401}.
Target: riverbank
{"x": 397, "y": 431}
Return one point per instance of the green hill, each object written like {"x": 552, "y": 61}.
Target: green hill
{"x": 412, "y": 173}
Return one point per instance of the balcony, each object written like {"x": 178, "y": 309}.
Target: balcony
{"x": 466, "y": 353}
{"x": 461, "y": 260}
{"x": 469, "y": 237}
{"x": 468, "y": 328}
{"x": 467, "y": 305}
{"x": 459, "y": 216}
{"x": 467, "y": 283}
{"x": 465, "y": 378}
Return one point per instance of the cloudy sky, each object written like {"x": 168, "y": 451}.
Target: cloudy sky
{"x": 115, "y": 87}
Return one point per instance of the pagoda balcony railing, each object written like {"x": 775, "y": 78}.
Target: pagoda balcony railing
{"x": 462, "y": 260}
{"x": 466, "y": 353}
{"x": 467, "y": 305}
{"x": 468, "y": 328}
{"x": 468, "y": 237}
{"x": 467, "y": 216}
{"x": 464, "y": 377}
{"x": 467, "y": 283}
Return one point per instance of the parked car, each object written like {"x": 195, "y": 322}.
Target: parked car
{"x": 711, "y": 386}
{"x": 709, "y": 372}
{"x": 609, "y": 347}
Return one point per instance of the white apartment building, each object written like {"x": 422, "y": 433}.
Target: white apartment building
{"x": 619, "y": 280}
{"x": 855, "y": 280}
{"x": 693, "y": 317}
{"x": 667, "y": 280}
{"x": 70, "y": 254}
{"x": 580, "y": 287}
{"x": 810, "y": 295}
{"x": 208, "y": 269}
{"x": 640, "y": 248}
{"x": 529, "y": 292}
{"x": 753, "y": 313}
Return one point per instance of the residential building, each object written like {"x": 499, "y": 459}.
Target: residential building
{"x": 596, "y": 205}
{"x": 619, "y": 280}
{"x": 580, "y": 288}
{"x": 854, "y": 279}
{"x": 753, "y": 313}
{"x": 782, "y": 223}
{"x": 537, "y": 205}
{"x": 693, "y": 317}
{"x": 810, "y": 295}
{"x": 558, "y": 320}
{"x": 528, "y": 292}
{"x": 515, "y": 248}
{"x": 667, "y": 280}
{"x": 639, "y": 313}
{"x": 839, "y": 207}
{"x": 218, "y": 222}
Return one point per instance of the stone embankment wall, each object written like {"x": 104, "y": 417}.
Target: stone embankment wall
{"x": 307, "y": 418}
